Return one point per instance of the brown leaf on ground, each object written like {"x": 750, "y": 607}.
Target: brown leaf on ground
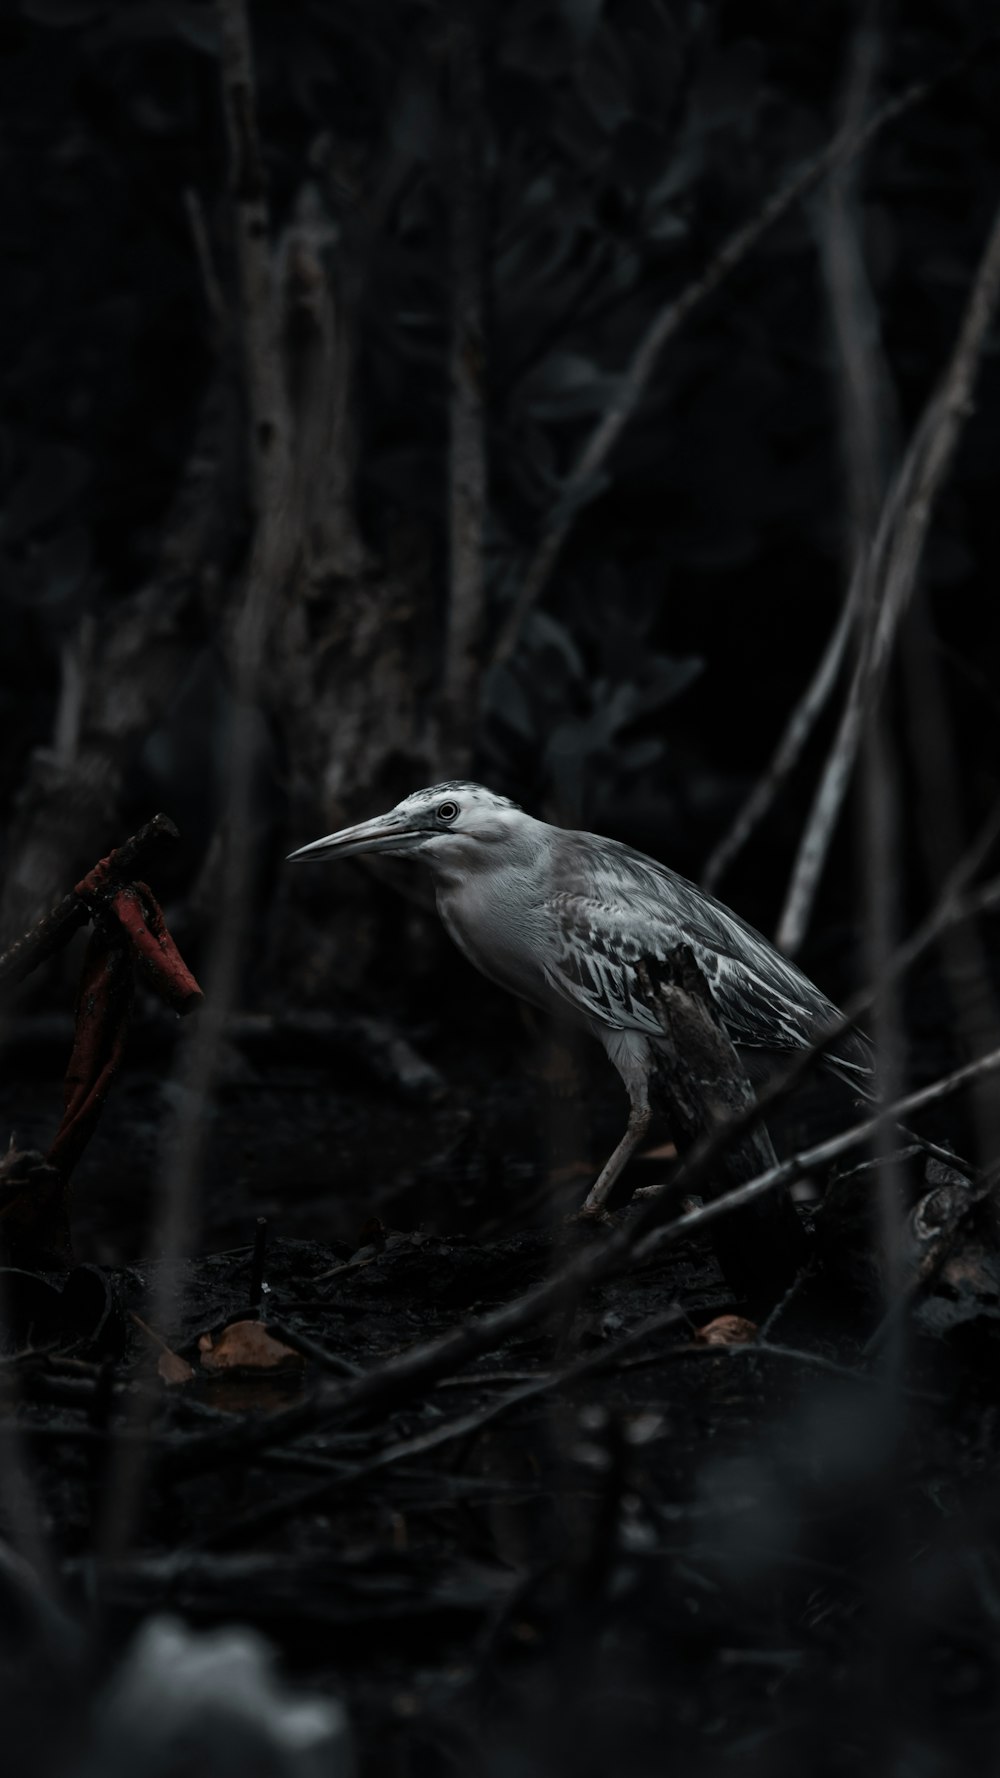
{"x": 728, "y": 1330}
{"x": 246, "y": 1346}
{"x": 173, "y": 1368}
{"x": 170, "y": 1366}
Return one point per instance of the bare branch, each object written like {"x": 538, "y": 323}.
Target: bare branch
{"x": 409, "y": 1373}
{"x": 890, "y": 572}
{"x": 269, "y": 421}
{"x": 259, "y": 1524}
{"x": 861, "y": 383}
{"x": 268, "y": 571}
{"x": 810, "y": 1158}
{"x": 318, "y": 328}
{"x": 631, "y": 388}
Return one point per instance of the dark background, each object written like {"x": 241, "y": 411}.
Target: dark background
{"x": 603, "y": 151}
{"x": 620, "y": 145}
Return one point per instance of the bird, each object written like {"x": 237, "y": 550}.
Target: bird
{"x": 575, "y": 924}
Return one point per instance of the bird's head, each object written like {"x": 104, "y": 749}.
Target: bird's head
{"x": 449, "y": 825}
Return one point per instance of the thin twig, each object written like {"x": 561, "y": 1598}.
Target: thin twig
{"x": 819, "y": 1156}
{"x": 630, "y": 389}
{"x": 267, "y": 574}
{"x": 320, "y": 1355}
{"x": 891, "y": 570}
{"x": 57, "y": 927}
{"x": 406, "y": 1374}
{"x": 861, "y": 375}
{"x": 258, "y": 1524}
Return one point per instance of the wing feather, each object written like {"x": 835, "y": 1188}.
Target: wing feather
{"x": 611, "y": 909}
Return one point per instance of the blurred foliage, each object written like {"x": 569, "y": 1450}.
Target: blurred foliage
{"x": 623, "y": 139}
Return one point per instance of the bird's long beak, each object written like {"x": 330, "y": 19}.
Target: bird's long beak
{"x": 386, "y": 833}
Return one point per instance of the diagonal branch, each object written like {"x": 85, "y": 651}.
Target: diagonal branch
{"x": 408, "y": 1373}
{"x": 862, "y": 381}
{"x": 631, "y": 387}
{"x": 268, "y": 571}
{"x": 889, "y": 573}
{"x": 405, "y": 1375}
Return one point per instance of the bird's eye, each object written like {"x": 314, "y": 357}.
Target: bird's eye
{"x": 447, "y": 811}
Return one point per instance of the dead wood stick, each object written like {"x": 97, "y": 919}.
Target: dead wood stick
{"x": 57, "y": 927}
{"x": 268, "y": 434}
{"x": 818, "y": 1156}
{"x": 258, "y": 1524}
{"x": 400, "y": 1378}
{"x": 268, "y": 570}
{"x": 701, "y": 1081}
{"x": 409, "y": 1372}
{"x": 634, "y": 381}
{"x": 889, "y": 572}
{"x": 642, "y": 1238}
{"x": 860, "y": 381}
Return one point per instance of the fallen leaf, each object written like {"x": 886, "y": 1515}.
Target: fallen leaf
{"x": 170, "y": 1365}
{"x": 728, "y": 1330}
{"x": 246, "y": 1346}
{"x": 173, "y": 1368}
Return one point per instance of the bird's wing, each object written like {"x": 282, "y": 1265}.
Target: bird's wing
{"x": 593, "y": 955}
{"x": 621, "y": 910}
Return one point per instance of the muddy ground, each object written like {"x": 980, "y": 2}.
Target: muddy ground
{"x": 605, "y": 1544}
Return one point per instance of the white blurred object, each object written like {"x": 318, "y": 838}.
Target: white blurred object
{"x": 206, "y": 1704}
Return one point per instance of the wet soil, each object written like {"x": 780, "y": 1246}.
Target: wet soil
{"x": 602, "y": 1545}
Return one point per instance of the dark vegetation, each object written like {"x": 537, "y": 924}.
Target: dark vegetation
{"x": 535, "y": 393}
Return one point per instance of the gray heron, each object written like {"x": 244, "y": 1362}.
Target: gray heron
{"x": 564, "y": 920}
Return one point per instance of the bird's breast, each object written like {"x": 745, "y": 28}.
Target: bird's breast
{"x": 493, "y": 923}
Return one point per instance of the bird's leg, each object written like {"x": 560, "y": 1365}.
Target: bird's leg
{"x": 639, "y": 1119}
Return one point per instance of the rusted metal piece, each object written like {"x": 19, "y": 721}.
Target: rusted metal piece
{"x": 57, "y": 927}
